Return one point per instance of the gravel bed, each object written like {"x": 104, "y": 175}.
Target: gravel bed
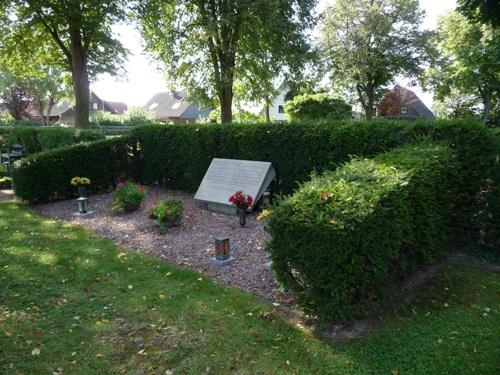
{"x": 191, "y": 245}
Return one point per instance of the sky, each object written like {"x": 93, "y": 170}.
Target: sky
{"x": 144, "y": 77}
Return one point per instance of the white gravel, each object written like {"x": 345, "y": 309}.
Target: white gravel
{"x": 191, "y": 245}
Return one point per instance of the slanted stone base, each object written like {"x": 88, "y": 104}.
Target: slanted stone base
{"x": 77, "y": 214}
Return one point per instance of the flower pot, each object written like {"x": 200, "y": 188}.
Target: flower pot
{"x": 129, "y": 207}
{"x": 242, "y": 214}
{"x": 82, "y": 191}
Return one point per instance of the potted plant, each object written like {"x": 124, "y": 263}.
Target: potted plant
{"x": 81, "y": 183}
{"x": 167, "y": 213}
{"x": 127, "y": 197}
{"x": 242, "y": 202}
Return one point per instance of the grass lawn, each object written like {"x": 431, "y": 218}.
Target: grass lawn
{"x": 73, "y": 303}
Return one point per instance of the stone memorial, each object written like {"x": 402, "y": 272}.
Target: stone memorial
{"x": 224, "y": 177}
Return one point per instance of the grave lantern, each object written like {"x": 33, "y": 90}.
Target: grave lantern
{"x": 83, "y": 205}
{"x": 222, "y": 249}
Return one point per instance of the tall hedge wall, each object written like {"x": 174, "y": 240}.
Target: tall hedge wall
{"x": 340, "y": 239}
{"x": 181, "y": 154}
{"x": 37, "y": 139}
{"x": 46, "y": 176}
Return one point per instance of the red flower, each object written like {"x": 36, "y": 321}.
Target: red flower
{"x": 241, "y": 200}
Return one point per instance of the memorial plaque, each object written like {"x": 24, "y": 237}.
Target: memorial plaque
{"x": 224, "y": 177}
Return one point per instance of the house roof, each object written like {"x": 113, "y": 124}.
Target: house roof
{"x": 174, "y": 104}
{"x": 118, "y": 107}
{"x": 408, "y": 98}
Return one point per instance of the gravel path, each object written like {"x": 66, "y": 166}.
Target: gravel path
{"x": 191, "y": 245}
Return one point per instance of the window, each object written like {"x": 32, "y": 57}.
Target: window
{"x": 95, "y": 107}
{"x": 281, "y": 109}
{"x": 404, "y": 110}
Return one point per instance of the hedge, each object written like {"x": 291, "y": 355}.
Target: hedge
{"x": 181, "y": 154}
{"x": 46, "y": 176}
{"x": 37, "y": 139}
{"x": 341, "y": 238}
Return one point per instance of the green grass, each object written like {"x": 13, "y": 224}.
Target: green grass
{"x": 92, "y": 308}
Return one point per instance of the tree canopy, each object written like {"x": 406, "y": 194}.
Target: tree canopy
{"x": 367, "y": 43}
{"x": 484, "y": 11}
{"x": 467, "y": 62}
{"x": 76, "y": 33}
{"x": 208, "y": 44}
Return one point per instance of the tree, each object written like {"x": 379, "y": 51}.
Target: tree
{"x": 14, "y": 96}
{"x": 484, "y": 11}
{"x": 317, "y": 107}
{"x": 208, "y": 44}
{"x": 468, "y": 61}
{"x": 47, "y": 88}
{"x": 81, "y": 32}
{"x": 369, "y": 42}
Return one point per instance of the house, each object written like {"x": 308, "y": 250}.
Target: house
{"x": 403, "y": 103}
{"x": 277, "y": 106}
{"x": 65, "y": 112}
{"x": 175, "y": 106}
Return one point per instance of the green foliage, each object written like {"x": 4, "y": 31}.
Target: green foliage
{"x": 467, "y": 62}
{"x": 256, "y": 47}
{"x": 104, "y": 118}
{"x": 46, "y": 176}
{"x": 36, "y": 139}
{"x": 6, "y": 118}
{"x": 485, "y": 11}
{"x": 5, "y": 182}
{"x": 168, "y": 213}
{"x": 317, "y": 107}
{"x": 368, "y": 43}
{"x": 137, "y": 115}
{"x": 132, "y": 117}
{"x": 340, "y": 239}
{"x": 127, "y": 197}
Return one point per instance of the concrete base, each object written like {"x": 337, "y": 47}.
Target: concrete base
{"x": 222, "y": 208}
{"x": 77, "y": 214}
{"x": 217, "y": 262}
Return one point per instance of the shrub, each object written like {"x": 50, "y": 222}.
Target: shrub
{"x": 128, "y": 197}
{"x": 168, "y": 213}
{"x": 104, "y": 118}
{"x": 317, "y": 107}
{"x": 6, "y": 118}
{"x": 138, "y": 115}
{"x": 46, "y": 176}
{"x": 37, "y": 139}
{"x": 5, "y": 182}
{"x": 341, "y": 238}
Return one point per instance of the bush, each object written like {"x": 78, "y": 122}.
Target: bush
{"x": 104, "y": 118}
{"x": 317, "y": 107}
{"x": 37, "y": 139}
{"x": 138, "y": 115}
{"x": 340, "y": 240}
{"x": 46, "y": 176}
{"x": 127, "y": 197}
{"x": 5, "y": 183}
{"x": 6, "y": 118}
{"x": 168, "y": 213}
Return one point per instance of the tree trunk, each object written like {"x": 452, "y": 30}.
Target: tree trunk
{"x": 268, "y": 116}
{"x": 226, "y": 104}
{"x": 487, "y": 107}
{"x": 370, "y": 97}
{"x": 50, "y": 104}
{"x": 80, "y": 77}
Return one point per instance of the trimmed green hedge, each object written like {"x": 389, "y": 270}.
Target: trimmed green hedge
{"x": 181, "y": 154}
{"x": 46, "y": 176}
{"x": 341, "y": 238}
{"x": 37, "y": 139}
